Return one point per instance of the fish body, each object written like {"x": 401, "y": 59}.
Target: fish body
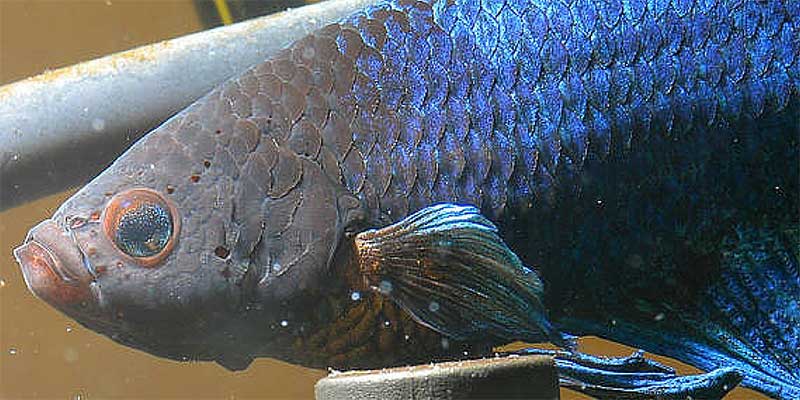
{"x": 639, "y": 157}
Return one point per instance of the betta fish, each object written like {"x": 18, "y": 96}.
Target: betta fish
{"x": 427, "y": 180}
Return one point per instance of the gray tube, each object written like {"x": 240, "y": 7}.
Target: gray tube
{"x": 59, "y": 129}
{"x": 510, "y": 377}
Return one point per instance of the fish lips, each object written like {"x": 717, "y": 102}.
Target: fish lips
{"x": 55, "y": 269}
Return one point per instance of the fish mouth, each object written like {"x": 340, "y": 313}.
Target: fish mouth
{"x": 55, "y": 269}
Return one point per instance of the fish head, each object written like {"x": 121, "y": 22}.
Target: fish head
{"x": 182, "y": 251}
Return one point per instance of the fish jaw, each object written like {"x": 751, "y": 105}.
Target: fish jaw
{"x": 54, "y": 269}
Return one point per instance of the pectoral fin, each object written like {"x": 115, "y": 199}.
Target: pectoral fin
{"x": 448, "y": 267}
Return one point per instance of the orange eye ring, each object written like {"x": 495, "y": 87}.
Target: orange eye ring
{"x": 134, "y": 200}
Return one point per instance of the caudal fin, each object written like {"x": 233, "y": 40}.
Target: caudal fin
{"x": 749, "y": 319}
{"x": 754, "y": 310}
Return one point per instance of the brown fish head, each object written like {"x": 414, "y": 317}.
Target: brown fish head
{"x": 186, "y": 249}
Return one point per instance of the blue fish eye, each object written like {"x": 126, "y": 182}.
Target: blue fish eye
{"x": 144, "y": 231}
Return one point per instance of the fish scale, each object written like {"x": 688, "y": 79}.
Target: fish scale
{"x": 669, "y": 66}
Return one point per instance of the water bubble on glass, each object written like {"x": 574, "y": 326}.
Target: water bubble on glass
{"x": 433, "y": 306}
{"x": 70, "y": 355}
{"x": 385, "y": 287}
{"x": 355, "y": 296}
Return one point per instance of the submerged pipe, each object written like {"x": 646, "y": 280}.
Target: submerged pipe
{"x": 60, "y": 128}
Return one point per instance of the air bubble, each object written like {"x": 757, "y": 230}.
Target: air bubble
{"x": 98, "y": 124}
{"x": 385, "y": 287}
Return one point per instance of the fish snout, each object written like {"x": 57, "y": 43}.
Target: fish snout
{"x": 53, "y": 266}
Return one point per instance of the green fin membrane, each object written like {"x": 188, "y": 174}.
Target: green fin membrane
{"x": 447, "y": 266}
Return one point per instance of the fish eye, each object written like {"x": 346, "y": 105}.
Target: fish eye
{"x": 142, "y": 224}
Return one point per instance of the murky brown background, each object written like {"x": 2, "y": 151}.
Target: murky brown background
{"x": 45, "y": 355}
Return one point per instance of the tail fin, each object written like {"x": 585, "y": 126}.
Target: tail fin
{"x": 750, "y": 319}
{"x": 754, "y": 312}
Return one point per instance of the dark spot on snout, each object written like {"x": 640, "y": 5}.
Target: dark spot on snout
{"x": 207, "y": 163}
{"x": 222, "y": 252}
{"x": 218, "y": 131}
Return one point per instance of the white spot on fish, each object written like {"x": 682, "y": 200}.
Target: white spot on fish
{"x": 98, "y": 124}
{"x": 659, "y": 316}
{"x": 386, "y": 323}
{"x": 355, "y": 296}
{"x": 284, "y": 323}
{"x": 69, "y": 329}
{"x": 434, "y": 306}
{"x": 406, "y": 337}
{"x": 445, "y": 343}
{"x": 15, "y": 157}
